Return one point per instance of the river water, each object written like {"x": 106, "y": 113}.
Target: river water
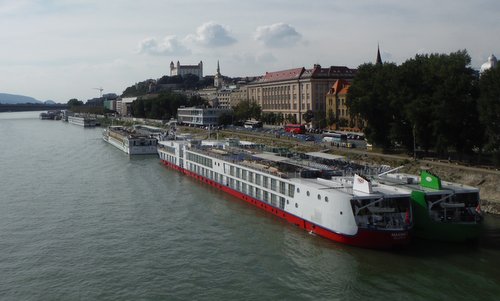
{"x": 80, "y": 220}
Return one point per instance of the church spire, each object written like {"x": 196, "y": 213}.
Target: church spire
{"x": 218, "y": 80}
{"x": 379, "y": 58}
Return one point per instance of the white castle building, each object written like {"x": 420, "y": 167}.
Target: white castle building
{"x": 178, "y": 69}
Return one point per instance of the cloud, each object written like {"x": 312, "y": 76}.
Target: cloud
{"x": 277, "y": 35}
{"x": 213, "y": 35}
{"x": 169, "y": 46}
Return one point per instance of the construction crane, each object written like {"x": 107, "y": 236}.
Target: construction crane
{"x": 100, "y": 91}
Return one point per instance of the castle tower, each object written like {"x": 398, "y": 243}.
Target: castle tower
{"x": 200, "y": 66}
{"x": 172, "y": 67}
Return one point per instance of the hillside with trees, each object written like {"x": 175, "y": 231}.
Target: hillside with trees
{"x": 165, "y": 83}
{"x": 164, "y": 106}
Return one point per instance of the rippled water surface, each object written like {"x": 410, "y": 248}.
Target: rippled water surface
{"x": 80, "y": 220}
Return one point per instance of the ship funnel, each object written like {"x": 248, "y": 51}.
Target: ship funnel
{"x": 429, "y": 180}
{"x": 362, "y": 184}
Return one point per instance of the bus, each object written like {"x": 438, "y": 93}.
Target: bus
{"x": 334, "y": 137}
{"x": 252, "y": 124}
{"x": 295, "y": 128}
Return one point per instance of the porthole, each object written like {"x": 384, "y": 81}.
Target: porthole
{"x": 287, "y": 202}
{"x": 319, "y": 197}
{"x": 326, "y": 199}
{"x": 340, "y": 212}
{"x": 308, "y": 193}
{"x": 298, "y": 190}
{"x": 296, "y": 205}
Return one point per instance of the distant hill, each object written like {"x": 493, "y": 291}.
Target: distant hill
{"x": 6, "y": 98}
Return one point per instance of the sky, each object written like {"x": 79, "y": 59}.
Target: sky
{"x": 58, "y": 50}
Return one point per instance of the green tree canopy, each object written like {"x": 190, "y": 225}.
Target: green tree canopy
{"x": 164, "y": 106}
{"x": 489, "y": 108}
{"x": 431, "y": 99}
{"x": 74, "y": 102}
{"x": 246, "y": 109}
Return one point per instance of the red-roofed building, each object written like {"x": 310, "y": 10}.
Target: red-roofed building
{"x": 293, "y": 92}
{"x": 337, "y": 112}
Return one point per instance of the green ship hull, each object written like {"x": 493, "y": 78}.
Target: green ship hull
{"x": 442, "y": 211}
{"x": 442, "y": 230}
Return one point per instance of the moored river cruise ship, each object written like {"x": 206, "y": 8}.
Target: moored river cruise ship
{"x": 345, "y": 209}
{"x": 133, "y": 141}
{"x": 82, "y": 121}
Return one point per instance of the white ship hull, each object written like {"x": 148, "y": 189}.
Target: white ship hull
{"x": 132, "y": 145}
{"x": 324, "y": 207}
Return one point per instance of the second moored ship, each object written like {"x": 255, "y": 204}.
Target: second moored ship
{"x": 139, "y": 140}
{"x": 444, "y": 211}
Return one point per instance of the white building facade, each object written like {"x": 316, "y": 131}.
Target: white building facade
{"x": 200, "y": 116}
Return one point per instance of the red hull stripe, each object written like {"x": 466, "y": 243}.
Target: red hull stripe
{"x": 364, "y": 238}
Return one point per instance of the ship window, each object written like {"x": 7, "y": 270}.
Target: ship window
{"x": 287, "y": 202}
{"x": 282, "y": 203}
{"x": 296, "y": 205}
{"x": 298, "y": 190}
{"x": 282, "y": 187}
{"x": 308, "y": 194}
{"x": 326, "y": 199}
{"x": 291, "y": 190}
{"x": 273, "y": 200}
{"x": 319, "y": 197}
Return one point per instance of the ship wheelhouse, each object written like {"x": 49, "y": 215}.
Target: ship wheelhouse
{"x": 382, "y": 212}
{"x": 450, "y": 207}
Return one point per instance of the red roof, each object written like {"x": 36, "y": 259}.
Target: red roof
{"x": 283, "y": 75}
{"x": 340, "y": 86}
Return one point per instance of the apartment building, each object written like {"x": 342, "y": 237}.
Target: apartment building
{"x": 293, "y": 92}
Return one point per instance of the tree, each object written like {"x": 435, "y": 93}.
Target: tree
{"x": 372, "y": 96}
{"x": 246, "y": 110}
{"x": 308, "y": 116}
{"x": 430, "y": 99}
{"x": 74, "y": 102}
{"x": 489, "y": 110}
{"x": 290, "y": 118}
{"x": 225, "y": 118}
{"x": 330, "y": 118}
